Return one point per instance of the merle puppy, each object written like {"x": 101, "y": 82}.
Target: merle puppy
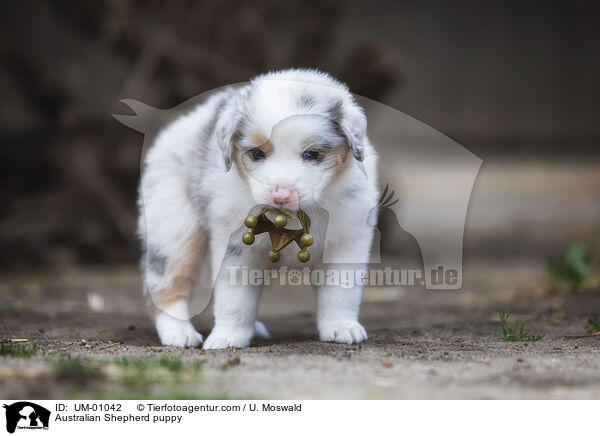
{"x": 294, "y": 139}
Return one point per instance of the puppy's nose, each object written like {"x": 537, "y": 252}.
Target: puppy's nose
{"x": 282, "y": 195}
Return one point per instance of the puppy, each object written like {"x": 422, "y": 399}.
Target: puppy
{"x": 292, "y": 140}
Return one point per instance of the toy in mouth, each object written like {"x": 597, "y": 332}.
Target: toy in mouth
{"x": 280, "y": 236}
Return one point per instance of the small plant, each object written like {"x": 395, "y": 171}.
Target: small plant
{"x": 141, "y": 364}
{"x": 18, "y": 350}
{"x": 516, "y": 332}
{"x": 594, "y": 323}
{"x": 138, "y": 374}
{"x": 574, "y": 270}
{"x": 76, "y": 369}
{"x": 173, "y": 364}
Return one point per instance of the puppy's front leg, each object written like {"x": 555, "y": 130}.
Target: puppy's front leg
{"x": 235, "y": 305}
{"x": 174, "y": 327}
{"x": 170, "y": 292}
{"x": 235, "y": 308}
{"x": 337, "y": 314}
{"x": 337, "y": 306}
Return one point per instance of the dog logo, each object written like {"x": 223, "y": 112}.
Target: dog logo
{"x": 26, "y": 415}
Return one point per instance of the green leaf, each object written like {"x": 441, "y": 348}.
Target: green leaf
{"x": 573, "y": 269}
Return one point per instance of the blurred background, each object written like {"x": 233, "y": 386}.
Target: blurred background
{"x": 516, "y": 83}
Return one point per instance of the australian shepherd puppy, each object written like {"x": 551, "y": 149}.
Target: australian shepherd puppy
{"x": 291, "y": 140}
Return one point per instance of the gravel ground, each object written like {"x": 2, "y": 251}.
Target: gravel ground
{"x": 422, "y": 344}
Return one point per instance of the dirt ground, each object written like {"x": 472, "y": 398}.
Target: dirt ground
{"x": 422, "y": 344}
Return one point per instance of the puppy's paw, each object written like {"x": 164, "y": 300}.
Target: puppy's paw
{"x": 344, "y": 332}
{"x": 177, "y": 332}
{"x": 229, "y": 337}
{"x": 261, "y": 330}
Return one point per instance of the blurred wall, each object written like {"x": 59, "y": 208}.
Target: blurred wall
{"x": 508, "y": 80}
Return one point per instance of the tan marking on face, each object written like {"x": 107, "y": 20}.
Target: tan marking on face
{"x": 342, "y": 151}
{"x": 183, "y": 274}
{"x": 341, "y": 155}
{"x": 261, "y": 141}
{"x": 239, "y": 164}
{"x": 338, "y": 154}
{"x": 336, "y": 157}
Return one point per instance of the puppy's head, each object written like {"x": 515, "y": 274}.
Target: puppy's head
{"x": 289, "y": 135}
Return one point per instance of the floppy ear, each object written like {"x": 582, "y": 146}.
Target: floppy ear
{"x": 230, "y": 127}
{"x": 353, "y": 123}
{"x": 225, "y": 130}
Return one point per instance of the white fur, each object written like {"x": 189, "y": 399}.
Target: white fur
{"x": 186, "y": 192}
{"x": 175, "y": 328}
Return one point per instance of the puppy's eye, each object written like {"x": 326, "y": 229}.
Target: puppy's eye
{"x": 257, "y": 154}
{"x": 310, "y": 155}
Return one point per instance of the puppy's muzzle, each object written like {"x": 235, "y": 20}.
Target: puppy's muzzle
{"x": 284, "y": 197}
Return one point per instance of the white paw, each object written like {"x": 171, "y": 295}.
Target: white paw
{"x": 229, "y": 337}
{"x": 177, "y": 332}
{"x": 261, "y": 331}
{"x": 344, "y": 332}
